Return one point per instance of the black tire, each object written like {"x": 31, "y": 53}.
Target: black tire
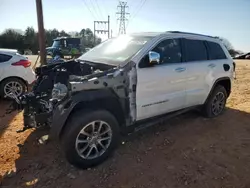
{"x": 208, "y": 106}
{"x": 8, "y": 80}
{"x": 75, "y": 124}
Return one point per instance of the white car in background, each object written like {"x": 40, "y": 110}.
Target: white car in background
{"x": 15, "y": 73}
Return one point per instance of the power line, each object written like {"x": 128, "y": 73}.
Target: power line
{"x": 134, "y": 12}
{"x": 89, "y": 9}
{"x": 122, "y": 6}
{"x": 94, "y": 8}
{"x": 137, "y": 7}
{"x": 99, "y": 8}
{"x": 130, "y": 4}
{"x": 104, "y": 7}
{"x": 142, "y": 4}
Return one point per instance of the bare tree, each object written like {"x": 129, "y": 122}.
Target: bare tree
{"x": 229, "y": 46}
{"x": 226, "y": 43}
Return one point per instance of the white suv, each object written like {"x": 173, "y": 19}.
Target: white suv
{"x": 125, "y": 83}
{"x": 15, "y": 73}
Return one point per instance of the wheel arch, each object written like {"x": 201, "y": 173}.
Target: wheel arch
{"x": 15, "y": 77}
{"x": 225, "y": 82}
{"x": 111, "y": 103}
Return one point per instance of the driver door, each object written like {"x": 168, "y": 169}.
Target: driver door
{"x": 161, "y": 87}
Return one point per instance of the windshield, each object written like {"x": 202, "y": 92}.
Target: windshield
{"x": 56, "y": 44}
{"x": 116, "y": 50}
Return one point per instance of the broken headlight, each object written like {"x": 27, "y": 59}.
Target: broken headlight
{"x": 59, "y": 91}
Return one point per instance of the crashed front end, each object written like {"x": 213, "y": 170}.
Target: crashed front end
{"x": 60, "y": 87}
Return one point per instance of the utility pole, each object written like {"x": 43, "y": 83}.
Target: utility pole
{"x": 41, "y": 33}
{"x": 122, "y": 12}
{"x": 102, "y": 27}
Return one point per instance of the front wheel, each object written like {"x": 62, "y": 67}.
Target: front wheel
{"x": 90, "y": 138}
{"x": 216, "y": 102}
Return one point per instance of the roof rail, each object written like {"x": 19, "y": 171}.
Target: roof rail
{"x": 181, "y": 32}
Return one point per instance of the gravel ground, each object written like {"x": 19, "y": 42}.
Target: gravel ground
{"x": 187, "y": 151}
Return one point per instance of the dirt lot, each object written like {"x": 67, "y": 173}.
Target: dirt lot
{"x": 188, "y": 151}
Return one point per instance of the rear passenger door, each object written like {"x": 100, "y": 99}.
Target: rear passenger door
{"x": 218, "y": 61}
{"x": 198, "y": 71}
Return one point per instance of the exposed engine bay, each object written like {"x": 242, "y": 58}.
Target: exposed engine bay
{"x": 59, "y": 82}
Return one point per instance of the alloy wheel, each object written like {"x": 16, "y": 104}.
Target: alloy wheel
{"x": 218, "y": 103}
{"x": 12, "y": 88}
{"x": 93, "y": 140}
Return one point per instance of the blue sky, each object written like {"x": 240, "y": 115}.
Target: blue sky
{"x": 227, "y": 18}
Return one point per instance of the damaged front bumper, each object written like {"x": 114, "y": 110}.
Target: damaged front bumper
{"x": 53, "y": 114}
{"x": 39, "y": 113}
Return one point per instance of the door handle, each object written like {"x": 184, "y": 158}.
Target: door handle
{"x": 211, "y": 65}
{"x": 180, "y": 69}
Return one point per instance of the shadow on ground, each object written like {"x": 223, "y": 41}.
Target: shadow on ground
{"x": 5, "y": 116}
{"x": 188, "y": 150}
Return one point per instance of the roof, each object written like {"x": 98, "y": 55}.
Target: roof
{"x": 188, "y": 33}
{"x": 153, "y": 34}
{"x": 5, "y": 50}
{"x": 149, "y": 34}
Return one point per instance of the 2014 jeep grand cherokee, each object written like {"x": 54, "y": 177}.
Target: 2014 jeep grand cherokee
{"x": 122, "y": 82}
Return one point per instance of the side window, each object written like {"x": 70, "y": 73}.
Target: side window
{"x": 4, "y": 58}
{"x": 215, "y": 51}
{"x": 169, "y": 50}
{"x": 195, "y": 50}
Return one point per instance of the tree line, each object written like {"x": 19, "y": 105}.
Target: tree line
{"x": 28, "y": 40}
{"x": 13, "y": 39}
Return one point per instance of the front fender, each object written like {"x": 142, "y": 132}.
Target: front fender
{"x": 60, "y": 116}
{"x": 118, "y": 84}
{"x": 63, "y": 110}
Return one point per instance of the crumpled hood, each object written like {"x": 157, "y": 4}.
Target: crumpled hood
{"x": 64, "y": 72}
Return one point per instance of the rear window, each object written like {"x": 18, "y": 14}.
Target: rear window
{"x": 215, "y": 51}
{"x": 195, "y": 50}
{"x": 4, "y": 58}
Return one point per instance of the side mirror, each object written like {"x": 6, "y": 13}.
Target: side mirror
{"x": 154, "y": 58}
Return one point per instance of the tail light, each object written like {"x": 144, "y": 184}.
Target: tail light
{"x": 25, "y": 63}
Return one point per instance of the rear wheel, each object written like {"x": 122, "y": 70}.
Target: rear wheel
{"x": 216, "y": 102}
{"x": 90, "y": 138}
{"x": 12, "y": 86}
